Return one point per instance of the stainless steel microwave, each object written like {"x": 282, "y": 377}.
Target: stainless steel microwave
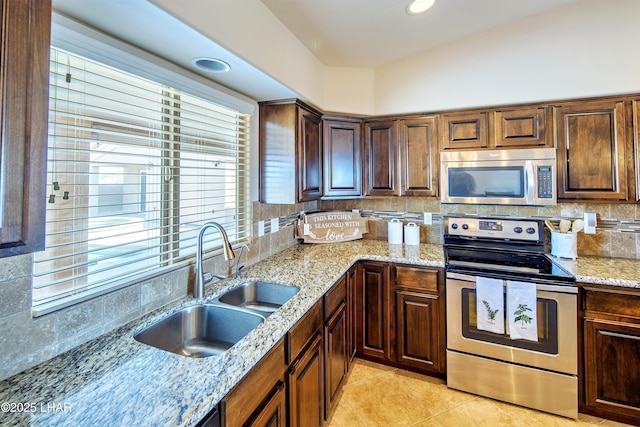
{"x": 525, "y": 177}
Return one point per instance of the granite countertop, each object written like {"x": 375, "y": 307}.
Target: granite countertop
{"x": 115, "y": 380}
{"x": 604, "y": 271}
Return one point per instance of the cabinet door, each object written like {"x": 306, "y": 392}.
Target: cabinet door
{"x": 274, "y": 413}
{"x": 309, "y": 155}
{"x": 419, "y": 157}
{"x": 335, "y": 357}
{"x": 352, "y": 284}
{"x": 306, "y": 387}
{"x": 591, "y": 151}
{"x": 380, "y": 157}
{"x": 373, "y": 325}
{"x": 464, "y": 130}
{"x": 612, "y": 368}
{"x": 24, "y": 88}
{"x": 524, "y": 127}
{"x": 636, "y": 147}
{"x": 342, "y": 159}
{"x": 247, "y": 398}
{"x": 418, "y": 331}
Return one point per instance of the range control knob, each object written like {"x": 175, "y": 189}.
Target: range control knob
{"x": 517, "y": 230}
{"x": 465, "y": 227}
{"x": 531, "y": 230}
{"x": 454, "y": 226}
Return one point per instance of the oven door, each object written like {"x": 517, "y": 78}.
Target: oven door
{"x": 556, "y": 348}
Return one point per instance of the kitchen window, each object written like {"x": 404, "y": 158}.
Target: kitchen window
{"x": 135, "y": 167}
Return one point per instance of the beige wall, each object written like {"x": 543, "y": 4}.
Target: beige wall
{"x": 585, "y": 49}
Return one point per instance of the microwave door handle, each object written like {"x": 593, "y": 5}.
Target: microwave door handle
{"x": 529, "y": 182}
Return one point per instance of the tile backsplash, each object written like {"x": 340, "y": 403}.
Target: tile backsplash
{"x": 29, "y": 341}
{"x": 617, "y": 236}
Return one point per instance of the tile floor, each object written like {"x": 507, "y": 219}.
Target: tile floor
{"x": 377, "y": 395}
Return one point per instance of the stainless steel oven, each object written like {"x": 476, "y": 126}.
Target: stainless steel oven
{"x": 538, "y": 371}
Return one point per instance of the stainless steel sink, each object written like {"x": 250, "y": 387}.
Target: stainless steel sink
{"x": 200, "y": 330}
{"x": 261, "y": 297}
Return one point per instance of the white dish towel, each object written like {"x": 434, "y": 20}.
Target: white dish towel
{"x": 522, "y": 311}
{"x": 490, "y": 305}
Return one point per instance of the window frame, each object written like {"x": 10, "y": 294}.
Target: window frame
{"x": 77, "y": 38}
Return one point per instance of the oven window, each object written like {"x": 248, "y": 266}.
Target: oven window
{"x": 547, "y": 326}
{"x": 504, "y": 181}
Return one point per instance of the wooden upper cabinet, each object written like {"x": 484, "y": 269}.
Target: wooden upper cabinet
{"x": 290, "y": 152}
{"x": 24, "y": 88}
{"x": 419, "y": 157}
{"x": 522, "y": 127}
{"x": 342, "y": 158}
{"x": 591, "y": 150}
{"x": 518, "y": 127}
{"x": 380, "y": 158}
{"x": 465, "y": 130}
{"x": 635, "y": 166}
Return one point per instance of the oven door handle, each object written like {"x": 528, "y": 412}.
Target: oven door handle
{"x": 539, "y": 286}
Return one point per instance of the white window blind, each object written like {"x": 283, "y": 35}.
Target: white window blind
{"x": 134, "y": 169}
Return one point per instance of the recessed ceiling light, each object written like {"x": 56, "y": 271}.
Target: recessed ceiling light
{"x": 211, "y": 65}
{"x": 419, "y": 6}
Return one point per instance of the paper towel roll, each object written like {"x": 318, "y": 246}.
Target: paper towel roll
{"x": 412, "y": 234}
{"x": 395, "y": 231}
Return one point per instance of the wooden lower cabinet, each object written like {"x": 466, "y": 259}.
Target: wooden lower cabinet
{"x": 418, "y": 322}
{"x": 274, "y": 412}
{"x": 611, "y": 357}
{"x": 336, "y": 354}
{"x": 305, "y": 376}
{"x": 251, "y": 399}
{"x": 306, "y": 389}
{"x": 400, "y": 312}
{"x": 373, "y": 310}
{"x": 352, "y": 283}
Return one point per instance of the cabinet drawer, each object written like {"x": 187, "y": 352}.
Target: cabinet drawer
{"x": 612, "y": 300}
{"x": 336, "y": 295}
{"x": 303, "y": 331}
{"x": 248, "y": 395}
{"x": 416, "y": 278}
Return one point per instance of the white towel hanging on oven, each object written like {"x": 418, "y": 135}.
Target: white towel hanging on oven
{"x": 522, "y": 311}
{"x": 490, "y": 305}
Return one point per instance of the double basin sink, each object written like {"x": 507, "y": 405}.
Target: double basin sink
{"x": 205, "y": 330}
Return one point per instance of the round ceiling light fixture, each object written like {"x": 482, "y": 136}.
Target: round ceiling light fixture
{"x": 211, "y": 65}
{"x": 419, "y": 6}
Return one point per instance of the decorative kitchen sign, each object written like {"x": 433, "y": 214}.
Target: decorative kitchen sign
{"x": 331, "y": 227}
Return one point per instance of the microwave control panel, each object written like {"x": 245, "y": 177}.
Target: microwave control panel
{"x": 545, "y": 182}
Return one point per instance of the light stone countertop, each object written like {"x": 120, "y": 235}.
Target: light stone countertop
{"x": 114, "y": 380}
{"x": 604, "y": 271}
{"x": 117, "y": 381}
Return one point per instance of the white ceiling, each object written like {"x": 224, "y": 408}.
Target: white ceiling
{"x": 349, "y": 33}
{"x": 371, "y": 33}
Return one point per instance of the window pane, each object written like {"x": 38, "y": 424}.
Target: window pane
{"x": 135, "y": 168}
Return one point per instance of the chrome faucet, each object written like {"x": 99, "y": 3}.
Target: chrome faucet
{"x": 201, "y": 277}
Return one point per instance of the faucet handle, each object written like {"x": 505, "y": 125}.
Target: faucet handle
{"x": 207, "y": 277}
{"x": 238, "y": 266}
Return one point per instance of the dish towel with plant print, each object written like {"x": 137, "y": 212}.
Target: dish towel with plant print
{"x": 522, "y": 311}
{"x": 490, "y": 304}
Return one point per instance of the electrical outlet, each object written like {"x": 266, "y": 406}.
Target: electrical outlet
{"x": 260, "y": 228}
{"x": 275, "y": 225}
{"x": 428, "y": 218}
